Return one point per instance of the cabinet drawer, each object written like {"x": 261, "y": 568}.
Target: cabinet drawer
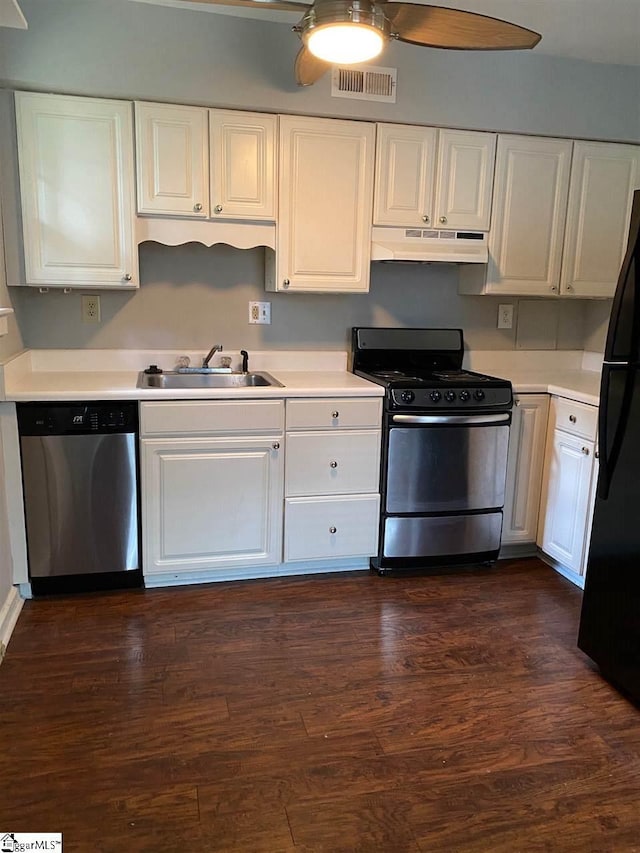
{"x": 575, "y": 418}
{"x": 310, "y": 524}
{"x": 334, "y": 413}
{"x": 195, "y": 417}
{"x": 323, "y": 463}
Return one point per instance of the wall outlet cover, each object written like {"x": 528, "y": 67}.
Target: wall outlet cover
{"x": 260, "y": 312}
{"x": 90, "y": 308}
{"x": 505, "y": 316}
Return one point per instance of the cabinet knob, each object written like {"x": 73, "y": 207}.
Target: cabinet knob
{"x": 276, "y": 445}
{"x": 570, "y": 288}
{"x": 333, "y": 530}
{"x": 425, "y": 218}
{"x": 516, "y": 402}
{"x": 127, "y": 276}
{"x": 597, "y": 454}
{"x": 335, "y": 414}
{"x": 218, "y": 208}
{"x": 553, "y": 288}
{"x": 333, "y": 464}
{"x": 286, "y": 282}
{"x": 197, "y": 207}
{"x": 573, "y": 419}
{"x": 585, "y": 450}
{"x": 443, "y": 220}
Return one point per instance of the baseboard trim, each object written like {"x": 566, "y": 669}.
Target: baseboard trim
{"x": 576, "y": 579}
{"x": 9, "y": 613}
{"x": 281, "y": 570}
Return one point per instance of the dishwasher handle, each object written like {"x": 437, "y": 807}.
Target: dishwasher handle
{"x": 472, "y": 420}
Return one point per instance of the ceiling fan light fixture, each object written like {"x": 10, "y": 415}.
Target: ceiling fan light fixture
{"x": 345, "y": 43}
{"x": 344, "y": 32}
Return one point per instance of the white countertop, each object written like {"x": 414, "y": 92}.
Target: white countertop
{"x": 52, "y": 375}
{"x": 41, "y": 375}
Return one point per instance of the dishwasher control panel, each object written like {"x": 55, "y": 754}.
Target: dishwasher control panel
{"x": 77, "y": 418}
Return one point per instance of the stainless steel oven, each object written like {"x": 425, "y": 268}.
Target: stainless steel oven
{"x": 445, "y": 437}
{"x": 443, "y": 486}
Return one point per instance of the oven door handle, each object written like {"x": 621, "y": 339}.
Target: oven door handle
{"x": 451, "y": 419}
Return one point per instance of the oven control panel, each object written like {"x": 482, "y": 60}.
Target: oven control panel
{"x": 452, "y": 398}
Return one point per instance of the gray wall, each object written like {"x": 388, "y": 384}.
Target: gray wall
{"x": 596, "y": 322}
{"x": 191, "y": 296}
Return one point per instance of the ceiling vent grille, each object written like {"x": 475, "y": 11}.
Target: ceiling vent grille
{"x": 366, "y": 83}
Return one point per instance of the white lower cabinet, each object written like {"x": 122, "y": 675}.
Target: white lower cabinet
{"x": 211, "y": 501}
{"x": 568, "y": 486}
{"x": 332, "y": 500}
{"x": 524, "y": 469}
{"x": 324, "y": 528}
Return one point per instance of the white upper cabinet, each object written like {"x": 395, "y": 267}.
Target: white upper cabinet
{"x": 405, "y": 175}
{"x": 243, "y": 165}
{"x": 326, "y": 193}
{"x": 199, "y": 163}
{"x": 77, "y": 190}
{"x": 603, "y": 179}
{"x": 172, "y": 148}
{"x": 465, "y": 179}
{"x": 530, "y": 203}
{"x": 433, "y": 178}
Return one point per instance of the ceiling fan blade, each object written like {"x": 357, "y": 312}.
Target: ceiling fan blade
{"x": 454, "y": 29}
{"x": 278, "y": 5}
{"x": 308, "y": 68}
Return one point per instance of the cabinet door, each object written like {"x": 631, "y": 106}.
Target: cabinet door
{"x": 465, "y": 179}
{"x": 524, "y": 468}
{"x": 211, "y": 503}
{"x": 529, "y": 209}
{"x": 564, "y": 515}
{"x": 326, "y": 190}
{"x": 172, "y": 147}
{"x": 603, "y": 179}
{"x": 77, "y": 189}
{"x": 405, "y": 175}
{"x": 243, "y": 165}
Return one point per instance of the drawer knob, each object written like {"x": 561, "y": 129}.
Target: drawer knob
{"x": 333, "y": 464}
{"x": 585, "y": 450}
{"x": 573, "y": 419}
{"x": 333, "y": 530}
{"x": 276, "y": 445}
{"x": 335, "y": 414}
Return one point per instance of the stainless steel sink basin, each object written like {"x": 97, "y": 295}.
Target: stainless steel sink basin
{"x": 170, "y": 380}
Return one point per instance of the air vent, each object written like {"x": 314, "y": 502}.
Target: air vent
{"x": 366, "y": 83}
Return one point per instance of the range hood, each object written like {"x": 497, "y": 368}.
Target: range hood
{"x": 421, "y": 245}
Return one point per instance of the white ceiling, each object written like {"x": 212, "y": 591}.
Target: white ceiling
{"x": 592, "y": 30}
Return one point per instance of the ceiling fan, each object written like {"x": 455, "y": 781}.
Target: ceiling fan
{"x": 350, "y": 31}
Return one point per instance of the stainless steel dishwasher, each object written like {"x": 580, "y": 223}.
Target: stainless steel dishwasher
{"x": 80, "y": 481}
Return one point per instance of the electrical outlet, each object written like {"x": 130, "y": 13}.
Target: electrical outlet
{"x": 91, "y": 308}
{"x": 505, "y": 316}
{"x": 260, "y": 312}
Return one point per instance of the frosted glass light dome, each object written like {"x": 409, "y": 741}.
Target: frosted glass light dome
{"x": 345, "y": 43}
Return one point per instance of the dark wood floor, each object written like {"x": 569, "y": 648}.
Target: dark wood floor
{"x": 331, "y": 713}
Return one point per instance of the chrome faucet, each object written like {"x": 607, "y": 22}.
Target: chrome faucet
{"x": 214, "y": 349}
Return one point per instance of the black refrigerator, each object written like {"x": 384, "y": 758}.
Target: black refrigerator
{"x": 610, "y": 620}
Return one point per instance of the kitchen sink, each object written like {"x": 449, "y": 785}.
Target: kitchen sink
{"x": 171, "y": 380}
